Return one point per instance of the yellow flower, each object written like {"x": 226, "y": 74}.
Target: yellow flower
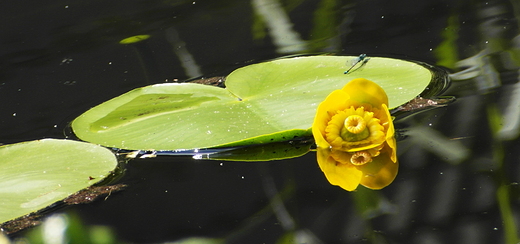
{"x": 354, "y": 133}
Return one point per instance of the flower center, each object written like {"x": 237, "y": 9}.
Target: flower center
{"x": 354, "y": 129}
{"x": 360, "y": 158}
{"x": 355, "y": 124}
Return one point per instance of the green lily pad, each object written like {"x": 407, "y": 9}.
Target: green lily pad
{"x": 36, "y": 174}
{"x": 262, "y": 103}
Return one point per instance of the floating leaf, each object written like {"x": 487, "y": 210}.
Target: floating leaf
{"x": 262, "y": 103}
{"x": 35, "y": 174}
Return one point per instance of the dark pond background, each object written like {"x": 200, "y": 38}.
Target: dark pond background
{"x": 458, "y": 179}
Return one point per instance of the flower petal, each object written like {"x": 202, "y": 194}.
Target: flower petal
{"x": 380, "y": 172}
{"x": 365, "y": 91}
{"x": 334, "y": 102}
{"x": 390, "y": 135}
{"x": 338, "y": 143}
{"x": 347, "y": 176}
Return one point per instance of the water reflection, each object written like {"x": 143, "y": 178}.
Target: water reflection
{"x": 459, "y": 172}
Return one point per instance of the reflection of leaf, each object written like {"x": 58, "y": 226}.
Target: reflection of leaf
{"x": 199, "y": 240}
{"x": 446, "y": 51}
{"x": 372, "y": 204}
{"x": 36, "y": 174}
{"x": 262, "y": 103}
{"x": 265, "y": 152}
{"x": 450, "y": 150}
{"x": 325, "y": 23}
{"x": 298, "y": 236}
{"x": 261, "y": 152}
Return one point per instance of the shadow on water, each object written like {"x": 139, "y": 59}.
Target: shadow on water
{"x": 459, "y": 164}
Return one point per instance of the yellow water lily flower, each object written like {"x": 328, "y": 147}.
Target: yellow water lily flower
{"x": 354, "y": 133}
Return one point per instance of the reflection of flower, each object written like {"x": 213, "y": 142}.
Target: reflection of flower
{"x": 354, "y": 133}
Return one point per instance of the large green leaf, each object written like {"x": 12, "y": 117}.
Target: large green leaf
{"x": 35, "y": 174}
{"x": 262, "y": 103}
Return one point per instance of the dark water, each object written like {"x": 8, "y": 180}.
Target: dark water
{"x": 458, "y": 179}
